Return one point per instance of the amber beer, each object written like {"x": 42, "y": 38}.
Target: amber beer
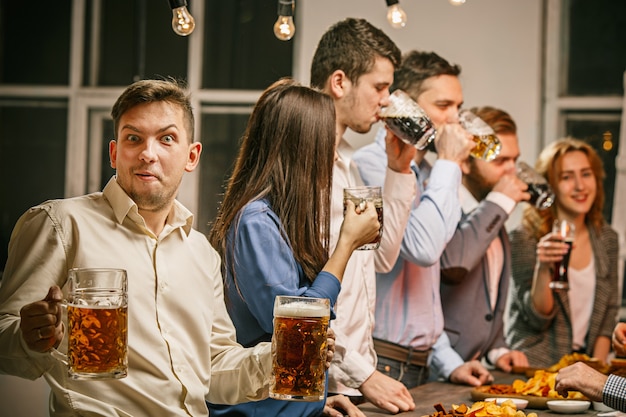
{"x": 97, "y": 340}
{"x": 366, "y": 194}
{"x": 488, "y": 145}
{"x": 97, "y": 323}
{"x": 299, "y": 346}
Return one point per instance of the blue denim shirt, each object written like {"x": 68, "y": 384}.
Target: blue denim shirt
{"x": 265, "y": 267}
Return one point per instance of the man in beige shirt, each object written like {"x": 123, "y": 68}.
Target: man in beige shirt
{"x": 181, "y": 342}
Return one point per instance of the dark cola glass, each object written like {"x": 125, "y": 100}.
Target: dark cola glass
{"x": 417, "y": 131}
{"x": 565, "y": 232}
{"x": 406, "y": 119}
{"x": 541, "y": 195}
{"x": 560, "y": 280}
{"x": 361, "y": 195}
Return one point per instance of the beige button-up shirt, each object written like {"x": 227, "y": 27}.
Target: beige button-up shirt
{"x": 181, "y": 342}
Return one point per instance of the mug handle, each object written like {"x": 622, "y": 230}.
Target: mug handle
{"x": 56, "y": 354}
{"x": 60, "y": 356}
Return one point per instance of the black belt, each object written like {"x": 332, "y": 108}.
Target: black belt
{"x": 402, "y": 354}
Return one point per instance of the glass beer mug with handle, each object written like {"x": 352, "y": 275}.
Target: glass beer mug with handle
{"x": 541, "y": 194}
{"x": 97, "y": 324}
{"x": 299, "y": 347}
{"x": 488, "y": 145}
{"x": 407, "y": 120}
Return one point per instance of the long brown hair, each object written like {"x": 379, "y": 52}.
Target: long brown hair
{"x": 286, "y": 156}
{"x": 548, "y": 164}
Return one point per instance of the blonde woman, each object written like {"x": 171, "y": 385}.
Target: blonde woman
{"x": 547, "y": 324}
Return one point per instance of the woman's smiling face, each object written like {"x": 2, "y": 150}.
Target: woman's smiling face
{"x": 576, "y": 184}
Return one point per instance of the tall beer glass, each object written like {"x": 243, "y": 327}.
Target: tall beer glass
{"x": 97, "y": 323}
{"x": 299, "y": 345}
{"x": 565, "y": 230}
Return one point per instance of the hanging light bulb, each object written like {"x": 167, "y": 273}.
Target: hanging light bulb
{"x": 284, "y": 29}
{"x": 395, "y": 14}
{"x": 182, "y": 21}
{"x": 457, "y": 2}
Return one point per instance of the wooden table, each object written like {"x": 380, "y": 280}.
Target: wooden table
{"x": 427, "y": 395}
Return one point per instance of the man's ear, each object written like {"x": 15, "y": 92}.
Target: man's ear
{"x": 113, "y": 153}
{"x": 338, "y": 83}
{"x": 195, "y": 149}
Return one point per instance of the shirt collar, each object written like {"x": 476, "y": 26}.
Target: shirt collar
{"x": 345, "y": 151}
{"x": 123, "y": 206}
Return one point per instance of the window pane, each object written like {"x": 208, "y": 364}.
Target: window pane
{"x": 602, "y": 132}
{"x": 597, "y": 48}
{"x": 240, "y": 50}
{"x": 221, "y": 134}
{"x": 136, "y": 41}
{"x": 32, "y": 160}
{"x": 106, "y": 172}
{"x": 33, "y": 53}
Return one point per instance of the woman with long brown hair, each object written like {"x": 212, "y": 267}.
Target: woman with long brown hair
{"x": 547, "y": 324}
{"x": 272, "y": 229}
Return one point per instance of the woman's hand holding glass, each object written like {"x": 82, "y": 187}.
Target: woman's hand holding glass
{"x": 360, "y": 224}
{"x": 550, "y": 249}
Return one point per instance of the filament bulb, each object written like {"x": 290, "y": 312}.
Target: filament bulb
{"x": 395, "y": 15}
{"x": 182, "y": 21}
{"x": 284, "y": 29}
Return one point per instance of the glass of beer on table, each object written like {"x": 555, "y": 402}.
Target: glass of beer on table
{"x": 361, "y": 196}
{"x": 407, "y": 120}
{"x": 565, "y": 231}
{"x": 488, "y": 145}
{"x": 97, "y": 323}
{"x": 299, "y": 346}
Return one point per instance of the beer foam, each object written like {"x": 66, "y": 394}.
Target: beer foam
{"x": 301, "y": 309}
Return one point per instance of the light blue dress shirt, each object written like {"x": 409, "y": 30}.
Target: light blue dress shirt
{"x": 408, "y": 303}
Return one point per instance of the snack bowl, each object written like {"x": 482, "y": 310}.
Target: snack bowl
{"x": 600, "y": 406}
{"x": 520, "y": 403}
{"x": 568, "y": 406}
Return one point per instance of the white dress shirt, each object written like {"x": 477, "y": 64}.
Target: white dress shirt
{"x": 355, "y": 358}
